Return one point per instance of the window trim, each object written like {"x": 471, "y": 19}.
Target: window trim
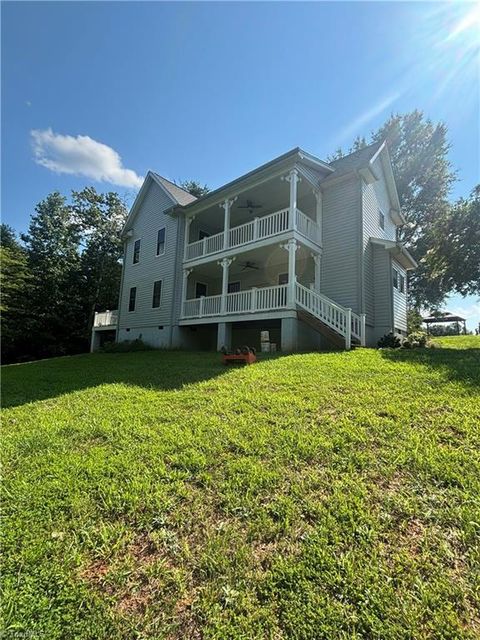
{"x": 160, "y": 296}
{"x": 139, "y": 240}
{"x": 157, "y": 255}
{"x": 206, "y": 289}
{"x": 130, "y": 310}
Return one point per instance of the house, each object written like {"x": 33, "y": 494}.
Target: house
{"x": 299, "y": 247}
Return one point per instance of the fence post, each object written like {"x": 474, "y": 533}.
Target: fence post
{"x": 348, "y": 329}
{"x": 255, "y": 228}
{"x": 200, "y": 312}
{"x": 363, "y": 340}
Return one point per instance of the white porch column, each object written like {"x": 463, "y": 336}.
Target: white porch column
{"x": 188, "y": 222}
{"x": 293, "y": 178}
{"x": 317, "y": 258}
{"x": 319, "y": 214}
{"x": 348, "y": 329}
{"x": 291, "y": 246}
{"x": 225, "y": 264}
{"x": 226, "y": 206}
{"x": 186, "y": 273}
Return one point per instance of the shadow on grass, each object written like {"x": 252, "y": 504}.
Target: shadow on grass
{"x": 457, "y": 364}
{"x": 162, "y": 370}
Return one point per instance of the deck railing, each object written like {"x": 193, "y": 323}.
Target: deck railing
{"x": 105, "y": 318}
{"x": 256, "y": 229}
{"x": 249, "y": 301}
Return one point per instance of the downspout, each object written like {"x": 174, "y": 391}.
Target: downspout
{"x": 175, "y": 280}
{"x": 124, "y": 261}
{"x": 361, "y": 266}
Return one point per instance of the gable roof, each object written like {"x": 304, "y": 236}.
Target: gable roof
{"x": 182, "y": 196}
{"x": 177, "y": 195}
{"x": 356, "y": 160}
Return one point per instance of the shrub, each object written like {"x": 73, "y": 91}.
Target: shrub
{"x": 390, "y": 341}
{"x": 420, "y": 337}
{"x": 126, "y": 346}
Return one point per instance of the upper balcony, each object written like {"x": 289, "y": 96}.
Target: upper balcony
{"x": 257, "y": 229}
{"x": 284, "y": 206}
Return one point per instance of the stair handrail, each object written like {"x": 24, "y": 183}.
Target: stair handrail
{"x": 339, "y": 324}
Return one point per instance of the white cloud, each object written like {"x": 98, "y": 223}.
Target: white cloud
{"x": 81, "y": 156}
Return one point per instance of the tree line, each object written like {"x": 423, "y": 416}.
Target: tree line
{"x": 68, "y": 264}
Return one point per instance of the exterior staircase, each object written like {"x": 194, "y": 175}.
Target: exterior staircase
{"x": 338, "y": 324}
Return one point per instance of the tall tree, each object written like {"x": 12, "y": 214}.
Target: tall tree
{"x": 14, "y": 279}
{"x": 424, "y": 177}
{"x": 54, "y": 322}
{"x": 454, "y": 256}
{"x": 100, "y": 218}
{"x": 195, "y": 188}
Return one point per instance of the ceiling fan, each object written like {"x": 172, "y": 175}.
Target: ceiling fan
{"x": 250, "y": 206}
{"x": 248, "y": 265}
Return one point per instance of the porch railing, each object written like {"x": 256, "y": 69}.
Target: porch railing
{"x": 105, "y": 318}
{"x": 249, "y": 301}
{"x": 256, "y": 229}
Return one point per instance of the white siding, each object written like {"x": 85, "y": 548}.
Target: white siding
{"x": 150, "y": 218}
{"x": 374, "y": 198}
{"x": 400, "y": 301}
{"x": 340, "y": 279}
{"x": 383, "y": 292}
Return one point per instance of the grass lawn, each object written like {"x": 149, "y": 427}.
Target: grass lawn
{"x": 159, "y": 495}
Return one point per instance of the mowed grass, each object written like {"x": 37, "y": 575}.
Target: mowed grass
{"x": 159, "y": 495}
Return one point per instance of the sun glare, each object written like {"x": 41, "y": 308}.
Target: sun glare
{"x": 469, "y": 23}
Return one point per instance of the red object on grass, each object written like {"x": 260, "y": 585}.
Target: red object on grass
{"x": 245, "y": 358}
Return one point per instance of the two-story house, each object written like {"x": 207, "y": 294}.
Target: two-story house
{"x": 300, "y": 247}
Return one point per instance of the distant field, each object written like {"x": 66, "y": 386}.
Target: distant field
{"x": 160, "y": 495}
{"x": 458, "y": 342}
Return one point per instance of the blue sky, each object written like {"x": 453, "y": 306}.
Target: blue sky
{"x": 98, "y": 93}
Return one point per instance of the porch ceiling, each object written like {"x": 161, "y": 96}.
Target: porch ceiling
{"x": 272, "y": 195}
{"x": 268, "y": 260}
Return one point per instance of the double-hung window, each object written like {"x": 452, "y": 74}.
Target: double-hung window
{"x": 381, "y": 219}
{"x": 161, "y": 241}
{"x": 157, "y": 294}
{"x": 401, "y": 283}
{"x": 136, "y": 252}
{"x": 396, "y": 278}
{"x": 132, "y": 298}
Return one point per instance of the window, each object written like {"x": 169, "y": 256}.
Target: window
{"x": 136, "y": 252}
{"x": 395, "y": 278}
{"x": 161, "y": 241}
{"x": 203, "y": 234}
{"x": 131, "y": 301}
{"x": 381, "y": 219}
{"x": 283, "y": 278}
{"x": 399, "y": 281}
{"x": 157, "y": 293}
{"x": 200, "y": 289}
{"x": 233, "y": 287}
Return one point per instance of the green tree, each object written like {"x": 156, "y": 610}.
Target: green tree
{"x": 195, "y": 188}
{"x": 100, "y": 218}
{"x": 453, "y": 258}
{"x": 54, "y": 311}
{"x": 14, "y": 279}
